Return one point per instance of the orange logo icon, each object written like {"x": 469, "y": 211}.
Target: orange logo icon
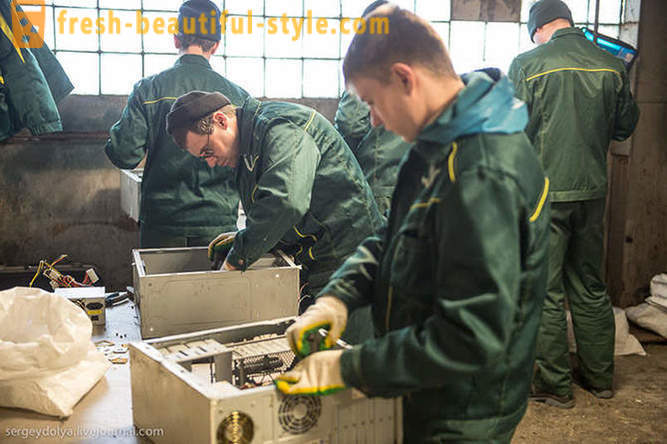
{"x": 28, "y": 22}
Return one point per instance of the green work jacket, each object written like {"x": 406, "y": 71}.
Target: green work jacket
{"x": 301, "y": 188}
{"x": 180, "y": 194}
{"x": 457, "y": 280}
{"x": 32, "y": 81}
{"x": 578, "y": 98}
{"x": 377, "y": 150}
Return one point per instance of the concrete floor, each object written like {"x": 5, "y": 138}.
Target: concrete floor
{"x": 636, "y": 414}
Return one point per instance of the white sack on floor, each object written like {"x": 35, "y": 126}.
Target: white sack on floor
{"x": 625, "y": 343}
{"x": 652, "y": 313}
{"x": 47, "y": 359}
{"x": 658, "y": 291}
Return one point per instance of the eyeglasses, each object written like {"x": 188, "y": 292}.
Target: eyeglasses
{"x": 206, "y": 152}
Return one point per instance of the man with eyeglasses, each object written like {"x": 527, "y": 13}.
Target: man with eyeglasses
{"x": 301, "y": 187}
{"x": 183, "y": 203}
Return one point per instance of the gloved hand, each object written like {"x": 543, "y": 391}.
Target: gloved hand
{"x": 318, "y": 374}
{"x": 219, "y": 248}
{"x": 327, "y": 312}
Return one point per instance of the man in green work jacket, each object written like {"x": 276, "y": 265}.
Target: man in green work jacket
{"x": 183, "y": 202}
{"x": 32, "y": 82}
{"x": 579, "y": 99}
{"x": 457, "y": 278}
{"x": 301, "y": 188}
{"x": 378, "y": 151}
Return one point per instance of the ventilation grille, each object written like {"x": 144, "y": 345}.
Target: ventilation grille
{"x": 298, "y": 414}
{"x": 236, "y": 428}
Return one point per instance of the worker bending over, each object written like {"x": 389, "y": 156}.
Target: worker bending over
{"x": 300, "y": 185}
{"x": 378, "y": 150}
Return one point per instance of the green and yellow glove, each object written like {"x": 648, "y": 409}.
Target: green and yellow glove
{"x": 219, "y": 248}
{"x": 327, "y": 312}
{"x": 318, "y": 374}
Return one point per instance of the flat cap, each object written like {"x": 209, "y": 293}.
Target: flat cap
{"x": 193, "y": 106}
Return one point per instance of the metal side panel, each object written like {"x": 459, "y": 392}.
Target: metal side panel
{"x": 161, "y": 399}
{"x": 130, "y": 192}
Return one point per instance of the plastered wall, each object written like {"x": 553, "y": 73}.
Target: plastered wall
{"x": 60, "y": 194}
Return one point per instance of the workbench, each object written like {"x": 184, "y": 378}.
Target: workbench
{"x": 104, "y": 415}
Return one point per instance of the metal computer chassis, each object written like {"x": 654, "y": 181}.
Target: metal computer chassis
{"x": 210, "y": 407}
{"x": 177, "y": 292}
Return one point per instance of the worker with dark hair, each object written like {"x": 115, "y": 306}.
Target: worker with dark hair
{"x": 579, "y": 98}
{"x": 457, "y": 277}
{"x": 183, "y": 202}
{"x": 300, "y": 185}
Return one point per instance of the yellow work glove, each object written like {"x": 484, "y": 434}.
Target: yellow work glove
{"x": 318, "y": 374}
{"x": 219, "y": 248}
{"x": 327, "y": 312}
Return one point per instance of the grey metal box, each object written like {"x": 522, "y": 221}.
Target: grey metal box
{"x": 130, "y": 192}
{"x": 176, "y": 391}
{"x": 177, "y": 292}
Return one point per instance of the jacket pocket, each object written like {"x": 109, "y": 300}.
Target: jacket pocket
{"x": 412, "y": 264}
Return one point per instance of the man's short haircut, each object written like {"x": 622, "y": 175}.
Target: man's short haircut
{"x": 373, "y": 6}
{"x": 410, "y": 40}
{"x": 192, "y": 40}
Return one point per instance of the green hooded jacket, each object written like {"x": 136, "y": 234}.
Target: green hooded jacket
{"x": 32, "y": 81}
{"x": 457, "y": 280}
{"x": 377, "y": 150}
{"x": 180, "y": 194}
{"x": 578, "y": 99}
{"x": 301, "y": 188}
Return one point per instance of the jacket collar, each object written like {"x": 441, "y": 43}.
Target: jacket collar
{"x": 568, "y": 31}
{"x": 485, "y": 105}
{"x": 245, "y": 116}
{"x": 249, "y": 149}
{"x": 193, "y": 59}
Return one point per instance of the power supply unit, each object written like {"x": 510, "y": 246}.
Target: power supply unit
{"x": 90, "y": 299}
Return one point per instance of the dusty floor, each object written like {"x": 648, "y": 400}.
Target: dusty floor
{"x": 636, "y": 414}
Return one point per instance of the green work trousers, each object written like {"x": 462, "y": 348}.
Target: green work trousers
{"x": 575, "y": 258}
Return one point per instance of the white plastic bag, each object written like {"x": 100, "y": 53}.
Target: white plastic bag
{"x": 47, "y": 360}
{"x": 624, "y": 342}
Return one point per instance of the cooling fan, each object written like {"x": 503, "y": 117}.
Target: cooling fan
{"x": 298, "y": 414}
{"x": 236, "y": 428}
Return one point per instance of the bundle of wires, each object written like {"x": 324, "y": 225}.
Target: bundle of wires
{"x": 57, "y": 279}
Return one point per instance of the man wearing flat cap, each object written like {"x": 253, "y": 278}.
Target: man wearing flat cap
{"x": 579, "y": 99}
{"x": 300, "y": 185}
{"x": 183, "y": 202}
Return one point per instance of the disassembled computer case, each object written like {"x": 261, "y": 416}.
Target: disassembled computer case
{"x": 216, "y": 386}
{"x": 177, "y": 292}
